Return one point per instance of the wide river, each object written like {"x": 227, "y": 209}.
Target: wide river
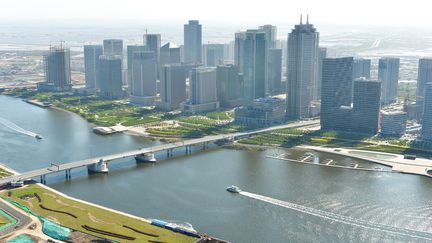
{"x": 319, "y": 204}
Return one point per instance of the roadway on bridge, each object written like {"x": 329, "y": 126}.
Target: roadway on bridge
{"x": 66, "y": 166}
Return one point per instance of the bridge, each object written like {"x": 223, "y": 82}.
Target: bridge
{"x": 99, "y": 164}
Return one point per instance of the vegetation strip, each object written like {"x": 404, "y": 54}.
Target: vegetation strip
{"x": 140, "y": 232}
{"x": 102, "y": 232}
{"x": 57, "y": 211}
{"x": 38, "y": 197}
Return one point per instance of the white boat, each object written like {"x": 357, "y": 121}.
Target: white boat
{"x": 233, "y": 189}
{"x": 38, "y": 136}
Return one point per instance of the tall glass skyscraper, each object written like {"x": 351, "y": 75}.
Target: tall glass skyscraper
{"x": 144, "y": 76}
{"x": 388, "y": 75}
{"x": 110, "y": 76}
{"x": 192, "y": 42}
{"x": 91, "y": 62}
{"x": 302, "y": 70}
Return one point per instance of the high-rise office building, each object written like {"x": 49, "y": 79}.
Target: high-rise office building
{"x": 366, "y": 106}
{"x": 153, "y": 43}
{"x": 302, "y": 70}
{"x": 388, "y": 75}
{"x": 321, "y": 55}
{"x": 203, "y": 96}
{"x": 192, "y": 42}
{"x": 113, "y": 47}
{"x": 274, "y": 71}
{"x": 271, "y": 35}
{"x": 228, "y": 86}
{"x": 239, "y": 44}
{"x": 336, "y": 92}
{"x": 213, "y": 54}
{"x": 57, "y": 70}
{"x": 393, "y": 123}
{"x": 252, "y": 56}
{"x": 172, "y": 87}
{"x": 424, "y": 76}
{"x": 131, "y": 49}
{"x": 110, "y": 76}
{"x": 91, "y": 60}
{"x": 426, "y": 132}
{"x": 144, "y": 76}
{"x": 362, "y": 68}
{"x": 169, "y": 54}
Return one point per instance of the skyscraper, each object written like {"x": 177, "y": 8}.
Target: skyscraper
{"x": 203, "y": 96}
{"x": 253, "y": 58}
{"x": 57, "y": 70}
{"x": 239, "y": 44}
{"x": 424, "y": 76}
{"x": 426, "y": 132}
{"x": 322, "y": 54}
{"x": 192, "y": 42}
{"x": 213, "y": 54}
{"x": 110, "y": 76}
{"x": 274, "y": 71}
{"x": 153, "y": 43}
{"x": 144, "y": 76}
{"x": 388, "y": 75}
{"x": 91, "y": 60}
{"x": 366, "y": 106}
{"x": 228, "y": 85}
{"x": 302, "y": 70}
{"x": 113, "y": 47}
{"x": 131, "y": 49}
{"x": 169, "y": 54}
{"x": 271, "y": 35}
{"x": 172, "y": 86}
{"x": 335, "y": 92}
{"x": 362, "y": 68}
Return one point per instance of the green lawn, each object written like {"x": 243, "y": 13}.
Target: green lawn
{"x": 89, "y": 215}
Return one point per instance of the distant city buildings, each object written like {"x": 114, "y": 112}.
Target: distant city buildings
{"x": 322, "y": 54}
{"x": 144, "y": 76}
{"x": 213, "y": 55}
{"x": 393, "y": 123}
{"x": 169, "y": 54}
{"x": 362, "y": 68}
{"x": 192, "y": 42}
{"x": 113, "y": 47}
{"x": 203, "y": 94}
{"x": 426, "y": 132}
{"x": 57, "y": 70}
{"x": 261, "y": 112}
{"x": 388, "y": 75}
{"x": 153, "y": 43}
{"x": 131, "y": 49}
{"x": 251, "y": 58}
{"x": 274, "y": 71}
{"x": 424, "y": 77}
{"x": 172, "y": 87}
{"x": 91, "y": 62}
{"x": 302, "y": 70}
{"x": 229, "y": 91}
{"x": 110, "y": 76}
{"x": 336, "y": 93}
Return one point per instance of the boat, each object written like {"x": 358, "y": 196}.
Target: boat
{"x": 38, "y": 136}
{"x": 233, "y": 189}
{"x": 146, "y": 157}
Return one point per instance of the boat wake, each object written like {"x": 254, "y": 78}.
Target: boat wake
{"x": 341, "y": 218}
{"x": 17, "y": 128}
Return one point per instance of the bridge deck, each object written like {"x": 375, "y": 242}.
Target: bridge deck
{"x": 157, "y": 148}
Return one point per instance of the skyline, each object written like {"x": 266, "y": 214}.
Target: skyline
{"x": 367, "y": 13}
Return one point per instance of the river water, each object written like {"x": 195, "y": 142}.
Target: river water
{"x": 284, "y": 201}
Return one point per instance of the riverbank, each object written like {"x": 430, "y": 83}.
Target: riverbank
{"x": 75, "y": 213}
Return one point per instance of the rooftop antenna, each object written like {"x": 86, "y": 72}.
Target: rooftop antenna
{"x": 307, "y": 19}
{"x": 301, "y": 18}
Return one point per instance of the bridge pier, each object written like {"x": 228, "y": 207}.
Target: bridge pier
{"x": 170, "y": 153}
{"x": 205, "y": 145}
{"x": 68, "y": 174}
{"x": 98, "y": 167}
{"x": 43, "y": 179}
{"x": 145, "y": 157}
{"x": 188, "y": 149}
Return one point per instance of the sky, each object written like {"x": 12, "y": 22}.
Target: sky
{"x": 343, "y": 12}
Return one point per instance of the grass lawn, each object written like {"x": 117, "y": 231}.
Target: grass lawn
{"x": 4, "y": 173}
{"x": 89, "y": 215}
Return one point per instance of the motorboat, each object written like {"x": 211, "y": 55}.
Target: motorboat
{"x": 233, "y": 189}
{"x": 38, "y": 136}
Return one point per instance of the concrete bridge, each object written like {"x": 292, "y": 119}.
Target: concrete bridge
{"x": 99, "y": 164}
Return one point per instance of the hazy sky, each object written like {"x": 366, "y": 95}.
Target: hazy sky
{"x": 377, "y": 12}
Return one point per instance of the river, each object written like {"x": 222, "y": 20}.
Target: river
{"x": 191, "y": 188}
